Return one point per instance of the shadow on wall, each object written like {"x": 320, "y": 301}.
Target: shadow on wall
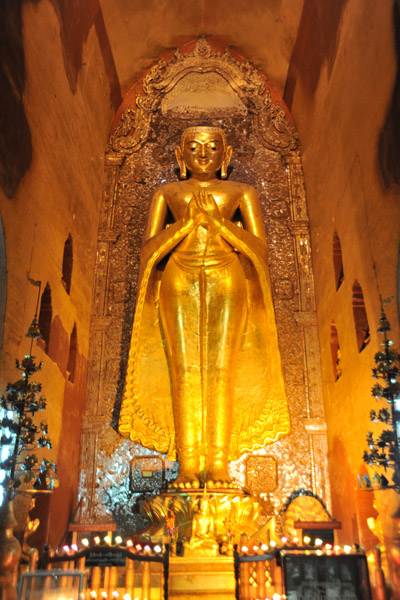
{"x": 343, "y": 482}
{"x": 389, "y": 140}
{"x": 15, "y": 137}
{"x": 3, "y": 282}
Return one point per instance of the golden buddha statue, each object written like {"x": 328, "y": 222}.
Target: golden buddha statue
{"x": 204, "y": 380}
{"x": 202, "y": 540}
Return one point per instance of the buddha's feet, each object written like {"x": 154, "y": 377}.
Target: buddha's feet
{"x": 189, "y": 459}
{"x": 217, "y": 468}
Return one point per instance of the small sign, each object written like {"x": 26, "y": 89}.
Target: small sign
{"x": 109, "y": 558}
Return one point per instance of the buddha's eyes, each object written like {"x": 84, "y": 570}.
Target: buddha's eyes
{"x": 198, "y": 147}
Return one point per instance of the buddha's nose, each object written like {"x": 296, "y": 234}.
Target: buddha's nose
{"x": 203, "y": 151}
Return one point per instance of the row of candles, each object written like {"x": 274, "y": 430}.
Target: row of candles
{"x": 318, "y": 546}
{"x": 115, "y": 596}
{"x": 157, "y": 549}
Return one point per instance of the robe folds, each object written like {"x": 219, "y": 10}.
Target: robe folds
{"x": 260, "y": 413}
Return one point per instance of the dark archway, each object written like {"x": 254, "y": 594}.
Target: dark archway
{"x": 73, "y": 348}
{"x": 360, "y": 317}
{"x": 67, "y": 264}
{"x": 337, "y": 261}
{"x": 335, "y": 351}
{"x": 45, "y": 316}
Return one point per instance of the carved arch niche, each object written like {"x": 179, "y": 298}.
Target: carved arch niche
{"x": 202, "y": 84}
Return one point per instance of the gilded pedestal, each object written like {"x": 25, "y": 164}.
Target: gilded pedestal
{"x": 191, "y": 578}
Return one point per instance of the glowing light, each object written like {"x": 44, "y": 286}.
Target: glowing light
{"x": 337, "y": 549}
{"x": 107, "y": 539}
{"x": 347, "y": 549}
{"x": 328, "y": 546}
{"x": 74, "y": 547}
{"x": 295, "y": 540}
{"x": 245, "y": 549}
{"x": 129, "y": 543}
{"x": 66, "y": 549}
{"x": 276, "y": 596}
{"x": 157, "y": 549}
{"x": 104, "y": 594}
{"x": 319, "y": 553}
{"x": 115, "y": 594}
{"x": 273, "y": 544}
{"x": 138, "y": 547}
{"x": 126, "y": 597}
{"x": 96, "y": 539}
{"x": 93, "y": 594}
{"x": 118, "y": 539}
{"x": 264, "y": 547}
{"x": 306, "y": 539}
{"x": 318, "y": 542}
{"x": 255, "y": 548}
{"x": 147, "y": 549}
{"x": 283, "y": 540}
{"x": 85, "y": 542}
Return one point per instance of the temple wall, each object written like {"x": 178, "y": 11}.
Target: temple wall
{"x": 339, "y": 88}
{"x": 59, "y": 195}
{"x": 339, "y": 125}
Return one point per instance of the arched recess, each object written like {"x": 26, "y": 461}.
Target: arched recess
{"x": 45, "y": 316}
{"x": 337, "y": 261}
{"x": 335, "y": 352}
{"x": 204, "y": 83}
{"x": 73, "y": 349}
{"x": 360, "y": 317}
{"x": 3, "y": 282}
{"x": 67, "y": 264}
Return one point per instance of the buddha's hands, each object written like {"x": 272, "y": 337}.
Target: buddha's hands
{"x": 202, "y": 206}
{"x": 207, "y": 203}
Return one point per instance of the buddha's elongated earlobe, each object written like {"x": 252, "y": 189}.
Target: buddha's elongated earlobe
{"x": 225, "y": 162}
{"x": 181, "y": 163}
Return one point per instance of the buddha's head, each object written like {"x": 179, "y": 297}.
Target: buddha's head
{"x": 204, "y": 506}
{"x": 203, "y": 152}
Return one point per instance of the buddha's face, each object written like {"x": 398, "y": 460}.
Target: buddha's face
{"x": 203, "y": 152}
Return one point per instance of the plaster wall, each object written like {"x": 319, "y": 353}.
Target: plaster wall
{"x": 339, "y": 128}
{"x": 60, "y": 194}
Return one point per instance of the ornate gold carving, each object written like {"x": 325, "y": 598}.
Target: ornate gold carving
{"x": 132, "y": 131}
{"x": 274, "y": 129}
{"x": 108, "y": 235}
{"x": 130, "y": 177}
{"x": 232, "y": 513}
{"x": 261, "y": 474}
{"x": 242, "y": 76}
{"x": 146, "y": 473}
{"x": 315, "y": 426}
{"x": 114, "y": 159}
